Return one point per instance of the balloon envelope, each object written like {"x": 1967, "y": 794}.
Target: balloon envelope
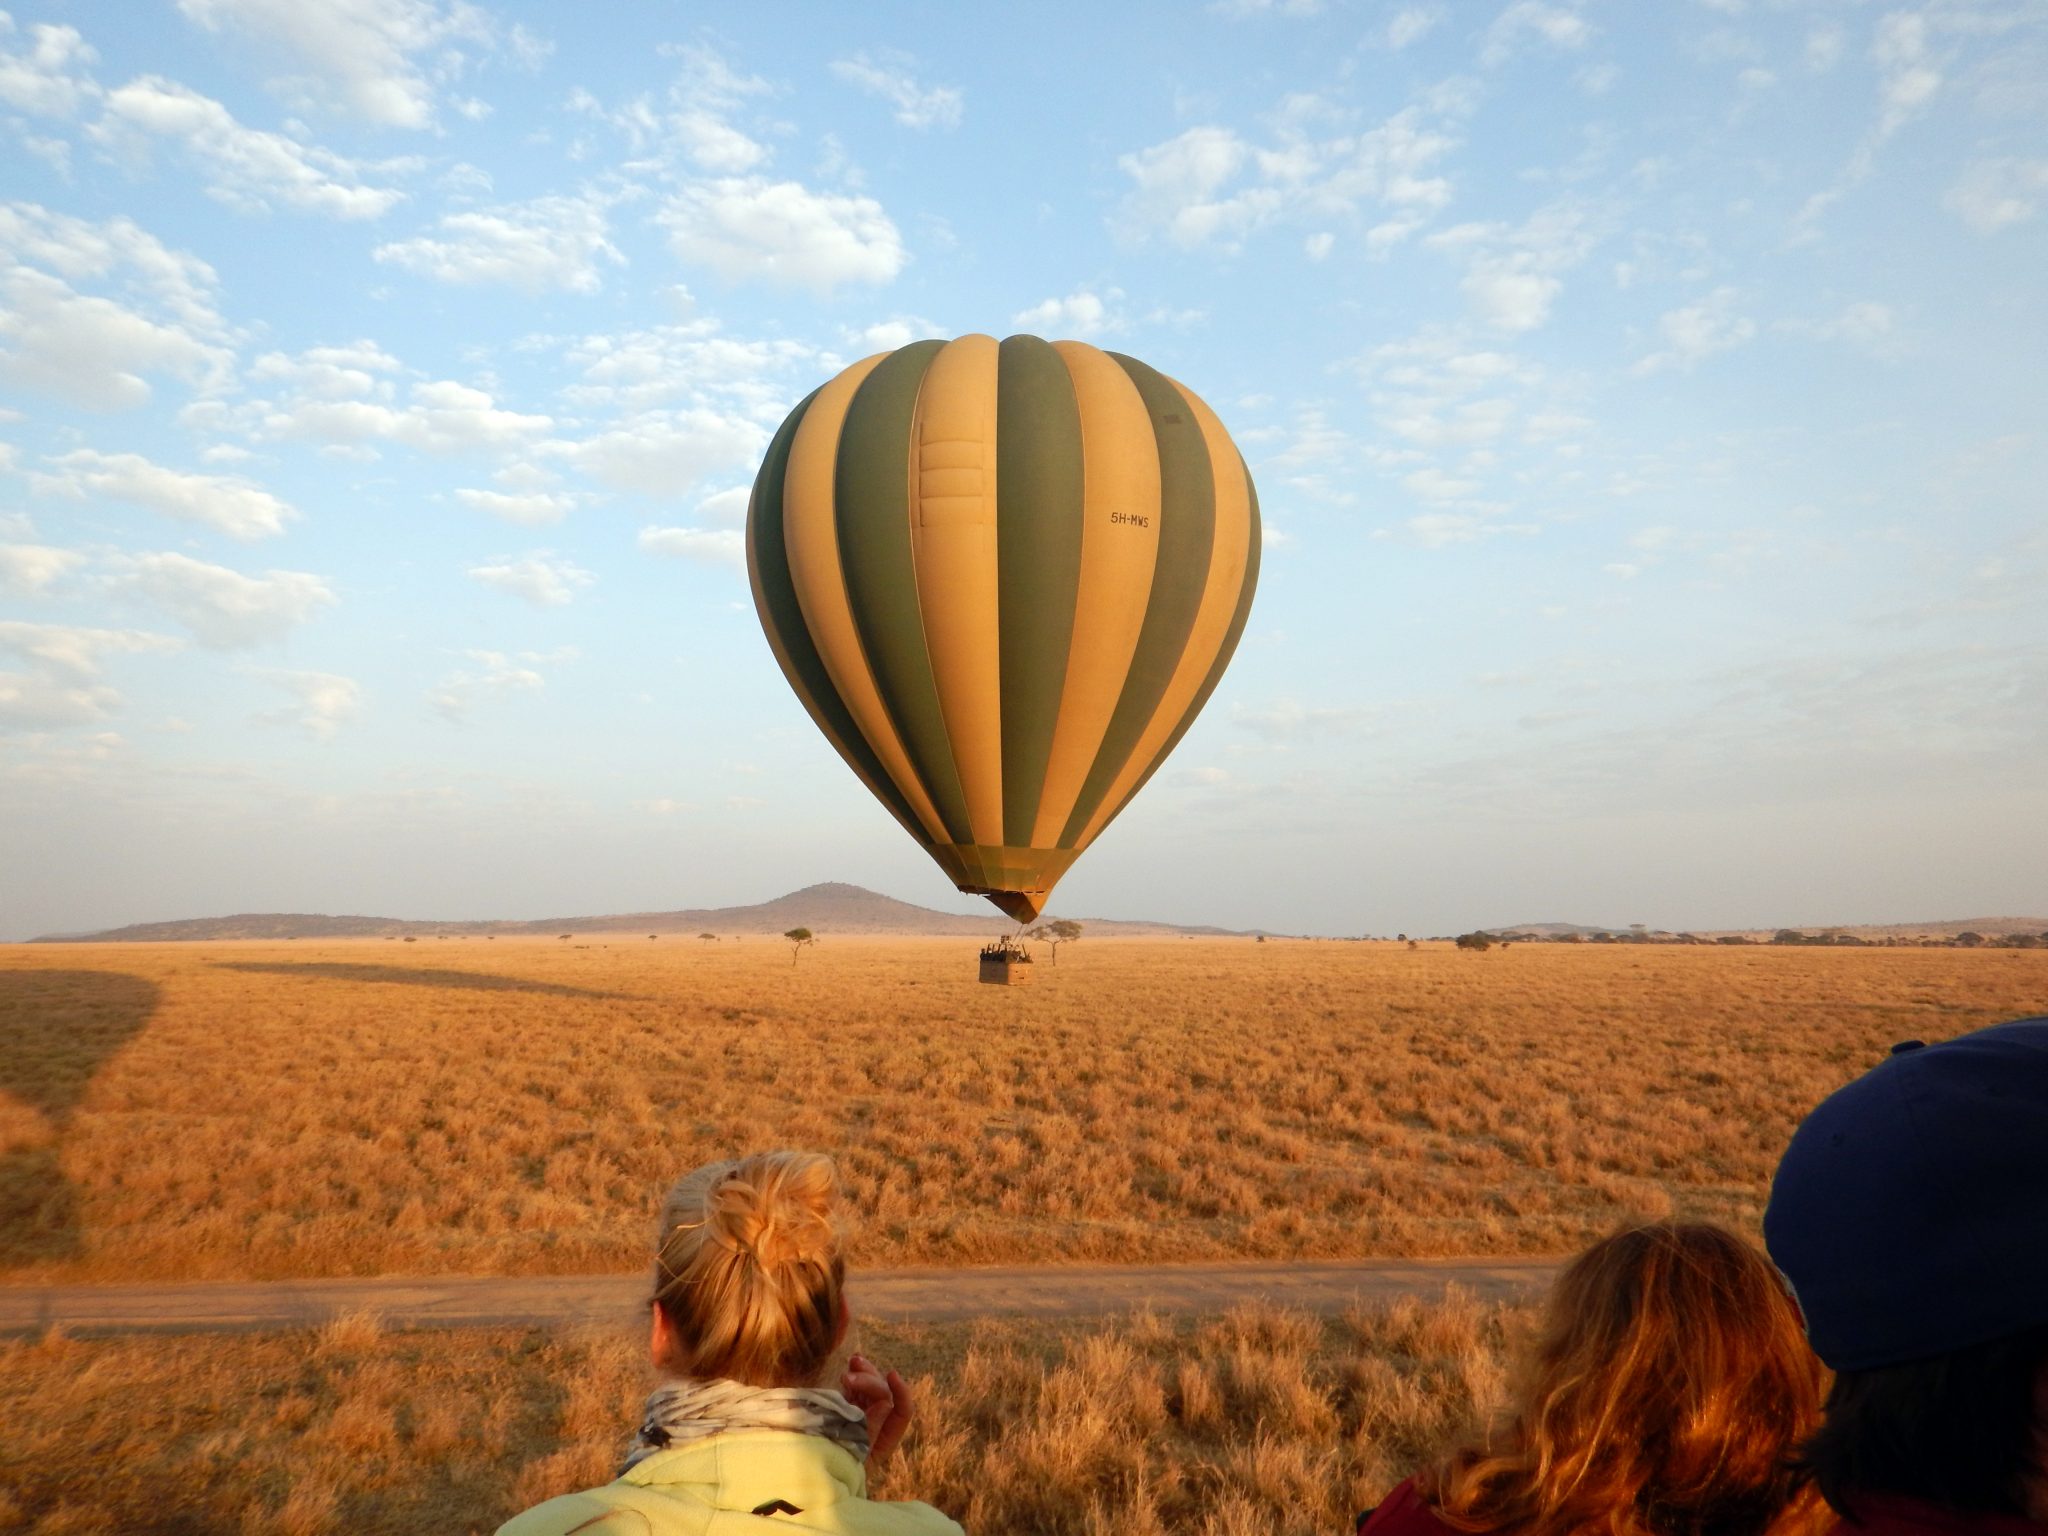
{"x": 1004, "y": 578}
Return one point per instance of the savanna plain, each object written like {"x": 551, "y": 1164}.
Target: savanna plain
{"x": 246, "y": 1111}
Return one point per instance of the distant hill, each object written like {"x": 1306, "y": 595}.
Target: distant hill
{"x": 1944, "y": 928}
{"x": 833, "y": 907}
{"x": 1554, "y": 930}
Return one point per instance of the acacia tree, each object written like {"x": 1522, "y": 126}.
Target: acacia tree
{"x": 1060, "y": 931}
{"x": 798, "y": 938}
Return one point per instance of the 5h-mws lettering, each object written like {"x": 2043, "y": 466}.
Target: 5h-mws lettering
{"x": 1003, "y": 665}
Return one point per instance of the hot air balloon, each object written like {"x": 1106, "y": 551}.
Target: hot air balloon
{"x": 1004, "y": 578}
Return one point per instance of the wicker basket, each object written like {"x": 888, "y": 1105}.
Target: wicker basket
{"x": 1012, "y": 969}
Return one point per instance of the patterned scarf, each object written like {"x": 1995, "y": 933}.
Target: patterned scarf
{"x": 682, "y": 1411}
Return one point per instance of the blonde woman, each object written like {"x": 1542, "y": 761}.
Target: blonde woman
{"x": 1667, "y": 1394}
{"x": 749, "y": 1312}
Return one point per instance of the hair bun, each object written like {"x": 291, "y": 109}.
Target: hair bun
{"x": 777, "y": 1222}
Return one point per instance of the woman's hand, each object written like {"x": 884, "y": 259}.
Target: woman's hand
{"x": 884, "y": 1398}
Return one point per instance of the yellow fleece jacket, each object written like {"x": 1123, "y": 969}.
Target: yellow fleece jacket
{"x": 747, "y": 1482}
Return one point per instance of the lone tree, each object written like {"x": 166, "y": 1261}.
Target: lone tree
{"x": 1060, "y": 931}
{"x": 1477, "y": 941}
{"x": 798, "y": 938}
{"x": 710, "y": 936}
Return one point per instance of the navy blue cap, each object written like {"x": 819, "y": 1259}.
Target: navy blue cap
{"x": 1910, "y": 1213}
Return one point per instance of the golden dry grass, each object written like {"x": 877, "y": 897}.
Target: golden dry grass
{"x": 1255, "y": 1421}
{"x": 259, "y": 1111}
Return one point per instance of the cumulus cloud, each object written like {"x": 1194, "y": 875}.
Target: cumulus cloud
{"x": 1697, "y": 332}
{"x": 1411, "y": 24}
{"x": 530, "y": 509}
{"x": 896, "y": 331}
{"x": 692, "y": 363}
{"x": 322, "y": 701}
{"x": 705, "y": 546}
{"x": 46, "y": 77}
{"x": 61, "y": 683}
{"x": 1211, "y": 186}
{"x": 665, "y": 453}
{"x": 363, "y": 57}
{"x": 782, "y": 232}
{"x": 1907, "y": 78}
{"x": 227, "y": 503}
{"x": 154, "y": 314}
{"x": 1867, "y": 325}
{"x": 888, "y": 76}
{"x": 1080, "y": 314}
{"x": 541, "y": 578}
{"x": 245, "y": 167}
{"x": 224, "y": 609}
{"x": 348, "y": 397}
{"x": 1513, "y": 273}
{"x": 491, "y": 674}
{"x": 693, "y": 116}
{"x": 1992, "y": 195}
{"x": 548, "y": 242}
{"x": 31, "y": 568}
{"x": 1559, "y": 27}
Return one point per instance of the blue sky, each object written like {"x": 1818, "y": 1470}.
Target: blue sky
{"x": 1646, "y": 404}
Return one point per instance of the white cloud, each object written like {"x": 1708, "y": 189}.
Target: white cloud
{"x": 1558, "y": 26}
{"x": 494, "y": 674}
{"x": 888, "y": 76}
{"x": 76, "y": 653}
{"x": 529, "y": 509}
{"x": 47, "y": 78}
{"x": 224, "y": 609}
{"x": 346, "y": 397}
{"x": 228, "y": 503}
{"x": 705, "y": 546}
{"x": 1867, "y": 325}
{"x": 63, "y": 684}
{"x": 695, "y": 116}
{"x": 1319, "y": 245}
{"x": 693, "y": 363}
{"x": 1513, "y": 274}
{"x": 360, "y": 56}
{"x": 1995, "y": 194}
{"x": 31, "y": 568}
{"x": 1243, "y": 9}
{"x": 95, "y": 349}
{"x": 325, "y": 701}
{"x": 1208, "y": 185}
{"x": 549, "y": 242}
{"x": 247, "y": 167}
{"x": 1698, "y": 331}
{"x": 1079, "y": 315}
{"x": 666, "y": 453}
{"x": 541, "y": 578}
{"x": 783, "y": 233}
{"x": 1435, "y": 485}
{"x": 896, "y": 331}
{"x": 1411, "y": 24}
{"x": 1907, "y": 79}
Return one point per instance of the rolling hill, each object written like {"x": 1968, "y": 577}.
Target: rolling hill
{"x": 832, "y": 907}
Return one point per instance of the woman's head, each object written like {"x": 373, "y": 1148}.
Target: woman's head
{"x": 749, "y": 1279}
{"x": 1668, "y": 1391}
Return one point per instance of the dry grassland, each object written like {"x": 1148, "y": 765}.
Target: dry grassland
{"x": 286, "y": 1109}
{"x": 1260, "y": 1421}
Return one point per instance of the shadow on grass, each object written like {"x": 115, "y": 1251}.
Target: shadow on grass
{"x": 57, "y": 1029}
{"x": 408, "y": 976}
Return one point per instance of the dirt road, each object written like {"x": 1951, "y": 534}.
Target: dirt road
{"x": 903, "y": 1295}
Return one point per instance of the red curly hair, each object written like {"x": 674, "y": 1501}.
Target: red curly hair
{"x": 1667, "y": 1395}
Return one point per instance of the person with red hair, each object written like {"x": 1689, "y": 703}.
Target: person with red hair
{"x": 1666, "y": 1394}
